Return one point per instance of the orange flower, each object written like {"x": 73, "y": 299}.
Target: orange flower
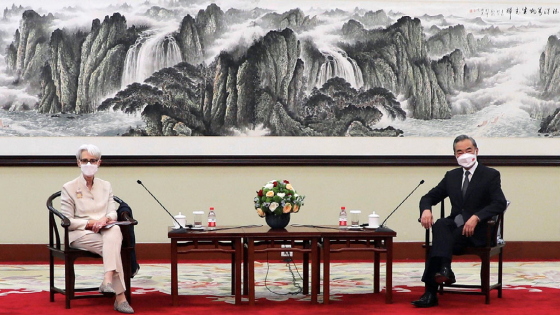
{"x": 270, "y": 193}
{"x": 260, "y": 212}
{"x": 296, "y": 208}
{"x": 287, "y": 208}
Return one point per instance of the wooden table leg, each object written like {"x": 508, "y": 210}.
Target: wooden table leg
{"x": 305, "y": 271}
{"x": 251, "y": 269}
{"x": 245, "y": 271}
{"x": 376, "y": 271}
{"x": 174, "y": 276}
{"x": 238, "y": 253}
{"x": 314, "y": 271}
{"x": 389, "y": 271}
{"x": 326, "y": 269}
{"x": 233, "y": 264}
{"x": 318, "y": 266}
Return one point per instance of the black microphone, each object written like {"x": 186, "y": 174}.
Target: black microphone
{"x": 383, "y": 227}
{"x": 181, "y": 228}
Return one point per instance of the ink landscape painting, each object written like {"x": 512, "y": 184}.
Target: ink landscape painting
{"x": 279, "y": 68}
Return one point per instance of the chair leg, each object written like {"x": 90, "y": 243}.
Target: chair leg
{"x": 500, "y": 266}
{"x": 485, "y": 277}
{"x": 51, "y": 276}
{"x": 69, "y": 280}
{"x": 125, "y": 257}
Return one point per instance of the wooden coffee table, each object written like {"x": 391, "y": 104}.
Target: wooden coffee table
{"x": 365, "y": 240}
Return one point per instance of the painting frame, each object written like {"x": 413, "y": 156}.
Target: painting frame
{"x": 277, "y": 150}
{"x": 255, "y": 151}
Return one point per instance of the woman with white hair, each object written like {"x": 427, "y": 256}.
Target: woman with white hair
{"x": 88, "y": 203}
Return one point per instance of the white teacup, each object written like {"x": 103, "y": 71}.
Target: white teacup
{"x": 181, "y": 219}
{"x": 373, "y": 220}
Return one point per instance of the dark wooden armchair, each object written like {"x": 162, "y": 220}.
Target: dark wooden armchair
{"x": 494, "y": 246}
{"x": 63, "y": 251}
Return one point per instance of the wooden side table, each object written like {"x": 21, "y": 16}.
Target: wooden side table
{"x": 270, "y": 237}
{"x": 361, "y": 240}
{"x": 203, "y": 242}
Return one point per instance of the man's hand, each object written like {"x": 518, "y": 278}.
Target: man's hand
{"x": 427, "y": 219}
{"x": 468, "y": 228}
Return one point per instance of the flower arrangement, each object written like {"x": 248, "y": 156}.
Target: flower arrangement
{"x": 277, "y": 197}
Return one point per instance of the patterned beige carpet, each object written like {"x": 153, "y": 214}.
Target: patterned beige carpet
{"x": 214, "y": 279}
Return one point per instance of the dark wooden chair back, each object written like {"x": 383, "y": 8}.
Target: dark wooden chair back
{"x": 494, "y": 247}
{"x": 59, "y": 247}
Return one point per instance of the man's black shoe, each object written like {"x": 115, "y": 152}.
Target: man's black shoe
{"x": 445, "y": 275}
{"x": 428, "y": 299}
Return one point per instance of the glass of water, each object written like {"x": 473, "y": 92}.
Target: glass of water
{"x": 355, "y": 217}
{"x": 198, "y": 218}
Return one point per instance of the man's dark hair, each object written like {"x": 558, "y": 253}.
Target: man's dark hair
{"x": 461, "y": 138}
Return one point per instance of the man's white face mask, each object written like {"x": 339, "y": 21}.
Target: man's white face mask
{"x": 89, "y": 169}
{"x": 466, "y": 160}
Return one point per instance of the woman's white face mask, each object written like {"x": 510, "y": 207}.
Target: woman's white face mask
{"x": 466, "y": 160}
{"x": 89, "y": 169}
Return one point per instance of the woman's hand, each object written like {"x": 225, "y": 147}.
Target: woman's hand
{"x": 96, "y": 225}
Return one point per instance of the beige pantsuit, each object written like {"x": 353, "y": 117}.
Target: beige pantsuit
{"x": 108, "y": 245}
{"x": 80, "y": 204}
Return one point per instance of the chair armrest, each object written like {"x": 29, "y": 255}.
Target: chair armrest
{"x": 128, "y": 241}
{"x": 490, "y": 232}
{"x": 64, "y": 221}
{"x": 117, "y": 199}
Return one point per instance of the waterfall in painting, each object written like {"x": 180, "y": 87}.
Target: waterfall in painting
{"x": 338, "y": 64}
{"x": 152, "y": 51}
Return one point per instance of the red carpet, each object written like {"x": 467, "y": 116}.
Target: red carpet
{"x": 513, "y": 302}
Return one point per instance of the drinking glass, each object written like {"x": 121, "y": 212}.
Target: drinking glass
{"x": 355, "y": 217}
{"x": 198, "y": 218}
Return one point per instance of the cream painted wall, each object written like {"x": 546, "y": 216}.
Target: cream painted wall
{"x": 533, "y": 215}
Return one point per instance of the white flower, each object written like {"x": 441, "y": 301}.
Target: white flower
{"x": 269, "y": 186}
{"x": 296, "y": 195}
{"x": 281, "y": 195}
{"x": 273, "y": 206}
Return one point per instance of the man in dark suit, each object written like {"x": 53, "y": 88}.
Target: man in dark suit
{"x": 475, "y": 193}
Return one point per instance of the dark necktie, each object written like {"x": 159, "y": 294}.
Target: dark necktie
{"x": 465, "y": 183}
{"x": 459, "y": 220}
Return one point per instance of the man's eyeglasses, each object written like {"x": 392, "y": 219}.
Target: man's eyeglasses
{"x": 92, "y": 161}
